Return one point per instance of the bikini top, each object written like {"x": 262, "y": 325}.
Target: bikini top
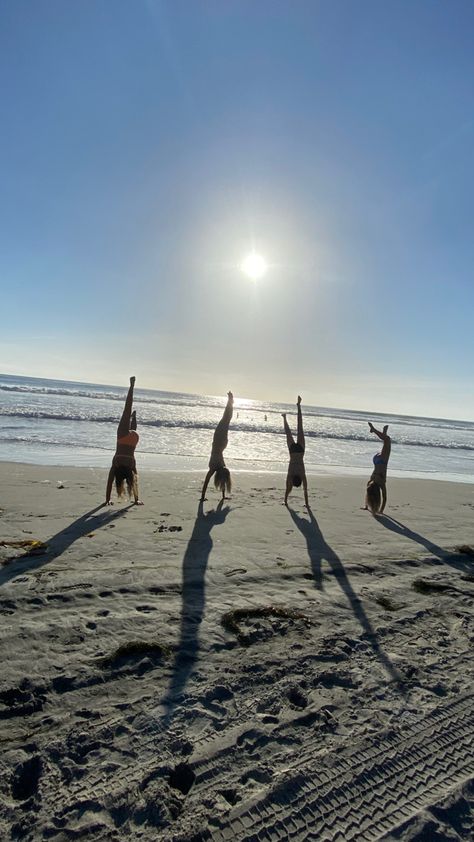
{"x": 378, "y": 459}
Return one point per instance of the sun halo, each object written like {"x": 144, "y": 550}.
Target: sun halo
{"x": 254, "y": 266}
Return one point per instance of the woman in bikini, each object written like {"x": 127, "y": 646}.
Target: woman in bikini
{"x": 296, "y": 470}
{"x": 376, "y": 494}
{"x": 217, "y": 465}
{"x": 124, "y": 468}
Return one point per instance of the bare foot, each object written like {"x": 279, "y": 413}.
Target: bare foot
{"x": 299, "y": 400}
{"x": 132, "y": 381}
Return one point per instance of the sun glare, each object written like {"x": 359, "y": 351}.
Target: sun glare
{"x": 254, "y": 266}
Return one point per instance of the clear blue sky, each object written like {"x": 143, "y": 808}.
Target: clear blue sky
{"x": 147, "y": 146}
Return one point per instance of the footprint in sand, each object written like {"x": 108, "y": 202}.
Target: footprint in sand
{"x": 235, "y": 571}
{"x": 163, "y": 528}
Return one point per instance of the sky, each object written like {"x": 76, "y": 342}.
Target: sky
{"x": 147, "y": 147}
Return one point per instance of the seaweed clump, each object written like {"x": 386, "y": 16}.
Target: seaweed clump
{"x": 465, "y": 549}
{"x": 232, "y": 620}
{"x": 31, "y": 546}
{"x": 134, "y": 648}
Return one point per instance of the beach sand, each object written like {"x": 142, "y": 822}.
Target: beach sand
{"x": 240, "y": 672}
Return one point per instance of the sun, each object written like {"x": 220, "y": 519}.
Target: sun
{"x": 254, "y": 266}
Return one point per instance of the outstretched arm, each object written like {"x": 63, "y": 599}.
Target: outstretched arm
{"x": 138, "y": 502}
{"x": 124, "y": 425}
{"x": 300, "y": 435}
{"x": 289, "y": 486}
{"x": 108, "y": 490}
{"x": 206, "y": 482}
{"x": 305, "y": 488}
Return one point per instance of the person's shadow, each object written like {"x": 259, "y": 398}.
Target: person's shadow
{"x": 195, "y": 561}
{"x": 319, "y": 551}
{"x": 455, "y": 560}
{"x": 57, "y": 544}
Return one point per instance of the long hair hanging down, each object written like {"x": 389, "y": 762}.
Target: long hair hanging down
{"x": 374, "y": 497}
{"x": 222, "y": 480}
{"x": 125, "y": 475}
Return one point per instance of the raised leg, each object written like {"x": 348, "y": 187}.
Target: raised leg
{"x": 124, "y": 425}
{"x": 300, "y": 434}
{"x": 289, "y": 437}
{"x": 222, "y": 428}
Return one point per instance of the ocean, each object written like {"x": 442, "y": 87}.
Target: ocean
{"x": 55, "y": 422}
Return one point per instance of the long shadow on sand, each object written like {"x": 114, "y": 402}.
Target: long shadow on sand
{"x": 456, "y": 560}
{"x": 319, "y": 551}
{"x": 193, "y": 599}
{"x": 57, "y": 544}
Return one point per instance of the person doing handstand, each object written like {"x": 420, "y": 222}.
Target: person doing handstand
{"x": 217, "y": 465}
{"x": 296, "y": 470}
{"x": 124, "y": 468}
{"x": 376, "y": 494}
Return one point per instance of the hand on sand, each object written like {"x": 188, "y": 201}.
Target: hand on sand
{"x": 132, "y": 381}
{"x": 298, "y": 401}
{"x": 108, "y": 503}
{"x": 202, "y": 499}
{"x": 139, "y": 503}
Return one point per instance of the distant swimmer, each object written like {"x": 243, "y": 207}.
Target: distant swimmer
{"x": 376, "y": 494}
{"x": 266, "y": 419}
{"x": 217, "y": 465}
{"x": 296, "y": 471}
{"x": 124, "y": 468}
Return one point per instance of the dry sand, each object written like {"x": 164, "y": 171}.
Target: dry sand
{"x": 337, "y": 705}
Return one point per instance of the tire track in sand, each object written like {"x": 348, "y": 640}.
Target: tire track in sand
{"x": 361, "y": 793}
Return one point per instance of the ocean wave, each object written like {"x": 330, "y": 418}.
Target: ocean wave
{"x": 237, "y": 427}
{"x": 166, "y": 399}
{"x": 75, "y": 393}
{"x": 191, "y": 402}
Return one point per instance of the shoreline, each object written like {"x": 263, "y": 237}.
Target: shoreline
{"x": 173, "y": 465}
